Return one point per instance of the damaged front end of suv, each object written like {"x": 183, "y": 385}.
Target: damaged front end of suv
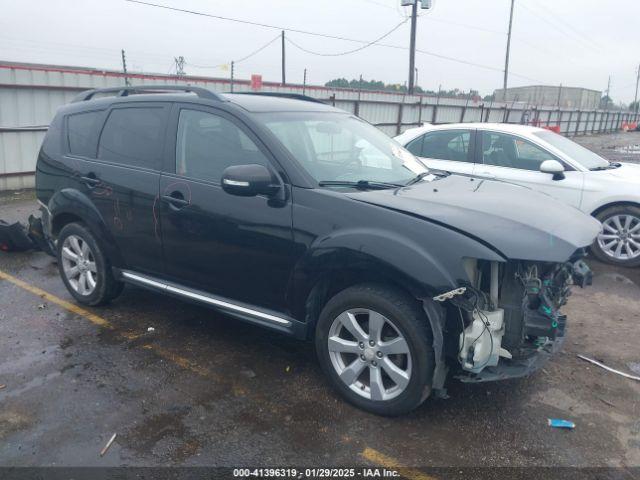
{"x": 498, "y": 316}
{"x": 508, "y": 316}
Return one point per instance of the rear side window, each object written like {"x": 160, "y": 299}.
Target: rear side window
{"x": 81, "y": 129}
{"x": 447, "y": 145}
{"x": 134, "y": 137}
{"x": 207, "y": 144}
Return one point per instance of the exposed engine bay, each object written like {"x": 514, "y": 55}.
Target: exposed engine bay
{"x": 507, "y": 320}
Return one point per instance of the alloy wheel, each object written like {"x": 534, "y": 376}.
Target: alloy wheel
{"x": 369, "y": 354}
{"x": 620, "y": 237}
{"x": 79, "y": 265}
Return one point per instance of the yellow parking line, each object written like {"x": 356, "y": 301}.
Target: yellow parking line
{"x": 101, "y": 322}
{"x": 92, "y": 317}
{"x": 392, "y": 464}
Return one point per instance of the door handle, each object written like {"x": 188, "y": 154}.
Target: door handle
{"x": 90, "y": 181}
{"x": 175, "y": 200}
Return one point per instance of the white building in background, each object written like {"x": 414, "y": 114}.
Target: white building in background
{"x": 549, "y": 95}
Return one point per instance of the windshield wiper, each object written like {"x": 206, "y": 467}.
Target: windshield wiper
{"x": 360, "y": 184}
{"x": 418, "y": 178}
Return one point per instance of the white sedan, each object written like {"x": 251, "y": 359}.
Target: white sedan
{"x": 545, "y": 161}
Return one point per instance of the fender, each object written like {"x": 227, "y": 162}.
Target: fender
{"x": 383, "y": 253}
{"x": 73, "y": 202}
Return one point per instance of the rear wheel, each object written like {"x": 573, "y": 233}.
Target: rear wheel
{"x": 375, "y": 346}
{"x": 84, "y": 268}
{"x": 619, "y": 242}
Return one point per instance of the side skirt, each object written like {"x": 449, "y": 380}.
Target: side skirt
{"x": 248, "y": 313}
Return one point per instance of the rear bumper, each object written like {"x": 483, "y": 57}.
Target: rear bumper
{"x": 515, "y": 368}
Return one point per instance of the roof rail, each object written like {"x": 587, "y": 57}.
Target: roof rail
{"x": 293, "y": 96}
{"x": 126, "y": 91}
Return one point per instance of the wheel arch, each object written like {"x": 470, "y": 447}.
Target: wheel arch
{"x": 332, "y": 282}
{"x": 621, "y": 203}
{"x": 70, "y": 205}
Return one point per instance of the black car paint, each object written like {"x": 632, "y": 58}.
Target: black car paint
{"x": 272, "y": 253}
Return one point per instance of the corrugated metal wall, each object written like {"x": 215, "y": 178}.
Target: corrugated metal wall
{"x": 30, "y": 95}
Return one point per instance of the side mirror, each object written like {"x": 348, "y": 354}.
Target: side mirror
{"x": 553, "y": 167}
{"x": 248, "y": 180}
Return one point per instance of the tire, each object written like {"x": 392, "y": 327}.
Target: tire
{"x": 99, "y": 286}
{"x": 627, "y": 217}
{"x": 402, "y": 318}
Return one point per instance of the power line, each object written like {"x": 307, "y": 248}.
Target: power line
{"x": 246, "y": 22}
{"x": 560, "y": 20}
{"x": 555, "y": 26}
{"x": 348, "y": 52}
{"x": 323, "y": 35}
{"x": 464, "y": 25}
{"x": 246, "y": 57}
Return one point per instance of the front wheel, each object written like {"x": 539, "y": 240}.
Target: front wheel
{"x": 374, "y": 344}
{"x": 619, "y": 242}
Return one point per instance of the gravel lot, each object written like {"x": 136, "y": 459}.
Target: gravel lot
{"x": 203, "y": 389}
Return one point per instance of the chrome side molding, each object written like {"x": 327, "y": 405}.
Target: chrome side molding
{"x": 204, "y": 298}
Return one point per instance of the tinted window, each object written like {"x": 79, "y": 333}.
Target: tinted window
{"x": 447, "y": 145}
{"x": 505, "y": 150}
{"x": 415, "y": 146}
{"x": 133, "y": 136}
{"x": 80, "y": 133}
{"x": 208, "y": 143}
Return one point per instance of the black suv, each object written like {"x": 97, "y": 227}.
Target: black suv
{"x": 302, "y": 218}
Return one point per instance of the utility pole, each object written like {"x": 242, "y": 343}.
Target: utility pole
{"x": 124, "y": 69}
{"x": 412, "y": 45}
{"x": 559, "y": 95}
{"x": 635, "y": 98}
{"x": 416, "y": 85}
{"x": 608, "y": 92}
{"x": 179, "y": 66}
{"x": 304, "y": 82}
{"x": 232, "y": 65}
{"x": 284, "y": 78}
{"x": 506, "y": 60}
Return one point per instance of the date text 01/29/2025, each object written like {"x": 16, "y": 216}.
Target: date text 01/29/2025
{"x": 315, "y": 473}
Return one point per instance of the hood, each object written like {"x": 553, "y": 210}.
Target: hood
{"x": 517, "y": 221}
{"x": 626, "y": 171}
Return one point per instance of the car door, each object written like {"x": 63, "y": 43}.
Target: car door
{"x": 240, "y": 248}
{"x": 514, "y": 159}
{"x": 450, "y": 150}
{"x": 116, "y": 155}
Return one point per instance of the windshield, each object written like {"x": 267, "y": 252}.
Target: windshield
{"x": 580, "y": 154}
{"x": 335, "y": 147}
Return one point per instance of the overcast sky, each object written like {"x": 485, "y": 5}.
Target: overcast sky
{"x": 573, "y": 42}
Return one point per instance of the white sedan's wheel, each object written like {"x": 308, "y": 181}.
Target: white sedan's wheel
{"x": 619, "y": 241}
{"x": 620, "y": 237}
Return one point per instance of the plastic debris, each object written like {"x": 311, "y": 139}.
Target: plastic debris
{"x": 247, "y": 372}
{"x": 42, "y": 306}
{"x": 559, "y": 423}
{"x": 106, "y": 447}
{"x": 602, "y": 365}
{"x": 151, "y": 329}
{"x": 2, "y": 386}
{"x": 14, "y": 238}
